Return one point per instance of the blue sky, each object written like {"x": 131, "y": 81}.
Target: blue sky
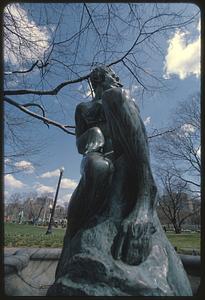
{"x": 180, "y": 67}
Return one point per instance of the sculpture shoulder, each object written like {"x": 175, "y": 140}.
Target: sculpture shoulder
{"x": 80, "y": 123}
{"x": 83, "y": 106}
{"x": 114, "y": 91}
{"x": 120, "y": 96}
{"x": 87, "y": 115}
{"x": 87, "y": 109}
{"x": 82, "y": 110}
{"x": 91, "y": 111}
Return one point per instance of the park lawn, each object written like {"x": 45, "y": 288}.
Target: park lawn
{"x": 19, "y": 235}
{"x": 185, "y": 242}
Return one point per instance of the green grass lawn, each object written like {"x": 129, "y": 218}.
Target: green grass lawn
{"x": 185, "y": 241}
{"x": 19, "y": 235}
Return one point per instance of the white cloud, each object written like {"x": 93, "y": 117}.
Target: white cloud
{"x": 88, "y": 93}
{"x": 25, "y": 165}
{"x": 188, "y": 128}
{"x": 127, "y": 93}
{"x": 199, "y": 152}
{"x": 147, "y": 120}
{"x": 29, "y": 42}
{"x": 130, "y": 92}
{"x": 7, "y": 160}
{"x": 134, "y": 88}
{"x": 40, "y": 188}
{"x": 85, "y": 92}
{"x": 67, "y": 183}
{"x": 183, "y": 55}
{"x": 199, "y": 26}
{"x": 11, "y": 181}
{"x": 80, "y": 87}
{"x": 50, "y": 174}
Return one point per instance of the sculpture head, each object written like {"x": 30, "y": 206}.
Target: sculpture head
{"x": 104, "y": 78}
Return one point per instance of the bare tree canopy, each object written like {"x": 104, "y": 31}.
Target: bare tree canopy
{"x": 47, "y": 63}
{"x": 55, "y": 53}
{"x": 36, "y": 208}
{"x": 176, "y": 203}
{"x": 180, "y": 151}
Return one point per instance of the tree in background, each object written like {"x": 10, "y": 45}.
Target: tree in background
{"x": 180, "y": 150}
{"x": 178, "y": 163}
{"x": 176, "y": 203}
{"x": 13, "y": 208}
{"x": 35, "y": 207}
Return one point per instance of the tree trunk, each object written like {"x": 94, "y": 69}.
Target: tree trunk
{"x": 177, "y": 228}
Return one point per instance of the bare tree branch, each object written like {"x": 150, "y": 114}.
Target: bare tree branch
{"x": 134, "y": 75}
{"x": 48, "y": 92}
{"x": 104, "y": 33}
{"x": 98, "y": 33}
{"x": 189, "y": 215}
{"x": 23, "y": 71}
{"x": 161, "y": 133}
{"x": 44, "y": 119}
{"x": 147, "y": 35}
{"x": 177, "y": 174}
{"x": 63, "y": 127}
{"x": 91, "y": 90}
{"x": 37, "y": 105}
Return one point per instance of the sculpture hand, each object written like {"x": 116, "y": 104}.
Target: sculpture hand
{"x": 140, "y": 228}
{"x": 92, "y": 140}
{"x": 139, "y": 242}
{"x": 133, "y": 241}
{"x": 120, "y": 238}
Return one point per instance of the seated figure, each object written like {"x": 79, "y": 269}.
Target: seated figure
{"x": 114, "y": 244}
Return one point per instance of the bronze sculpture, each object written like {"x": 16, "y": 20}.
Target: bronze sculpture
{"x": 114, "y": 244}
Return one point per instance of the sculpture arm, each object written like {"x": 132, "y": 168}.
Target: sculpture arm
{"x": 92, "y": 140}
{"x": 87, "y": 139}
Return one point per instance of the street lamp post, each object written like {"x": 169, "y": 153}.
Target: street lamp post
{"x": 49, "y": 230}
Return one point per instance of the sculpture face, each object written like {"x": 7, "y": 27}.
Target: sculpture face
{"x": 104, "y": 78}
